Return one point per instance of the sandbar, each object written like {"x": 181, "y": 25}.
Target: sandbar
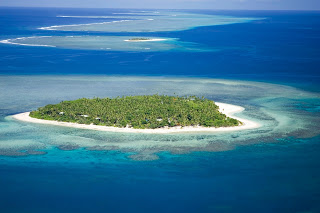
{"x": 144, "y": 40}
{"x": 226, "y": 109}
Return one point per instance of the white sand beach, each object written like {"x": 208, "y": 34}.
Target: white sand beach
{"x": 227, "y": 109}
{"x": 153, "y": 39}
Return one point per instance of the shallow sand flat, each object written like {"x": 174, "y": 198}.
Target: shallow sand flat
{"x": 227, "y": 109}
{"x": 109, "y": 43}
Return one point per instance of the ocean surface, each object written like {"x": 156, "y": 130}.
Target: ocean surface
{"x": 265, "y": 61}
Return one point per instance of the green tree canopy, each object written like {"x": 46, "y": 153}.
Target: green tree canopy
{"x": 142, "y": 112}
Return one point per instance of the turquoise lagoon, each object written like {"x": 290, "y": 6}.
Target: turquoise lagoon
{"x": 49, "y": 168}
{"x": 267, "y": 62}
{"x": 276, "y": 107}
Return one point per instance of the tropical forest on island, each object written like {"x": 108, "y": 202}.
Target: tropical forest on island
{"x": 139, "y": 112}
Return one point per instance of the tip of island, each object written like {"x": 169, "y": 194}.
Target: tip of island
{"x": 142, "y": 114}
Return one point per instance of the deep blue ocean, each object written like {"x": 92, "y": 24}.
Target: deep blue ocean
{"x": 280, "y": 174}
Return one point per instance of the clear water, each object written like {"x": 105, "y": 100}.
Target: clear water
{"x": 269, "y": 66}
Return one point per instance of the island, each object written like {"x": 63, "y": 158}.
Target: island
{"x": 147, "y": 113}
{"x": 144, "y": 39}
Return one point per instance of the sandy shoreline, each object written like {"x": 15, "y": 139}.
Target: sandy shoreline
{"x": 227, "y": 109}
{"x": 154, "y": 39}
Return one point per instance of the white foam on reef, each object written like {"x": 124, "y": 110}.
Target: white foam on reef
{"x": 166, "y": 21}
{"x": 227, "y": 109}
{"x": 14, "y": 41}
{"x": 114, "y": 43}
{"x": 56, "y": 27}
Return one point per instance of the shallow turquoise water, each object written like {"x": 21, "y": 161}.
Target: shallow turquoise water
{"x": 151, "y": 21}
{"x": 276, "y": 107}
{"x": 271, "y": 169}
{"x": 109, "y": 43}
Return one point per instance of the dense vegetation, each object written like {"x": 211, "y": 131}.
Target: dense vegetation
{"x": 138, "y": 112}
{"x": 138, "y": 39}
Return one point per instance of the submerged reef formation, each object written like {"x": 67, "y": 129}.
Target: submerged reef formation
{"x": 285, "y": 114}
{"x": 139, "y": 112}
{"x": 109, "y": 43}
{"x": 152, "y": 21}
{"x": 140, "y": 22}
